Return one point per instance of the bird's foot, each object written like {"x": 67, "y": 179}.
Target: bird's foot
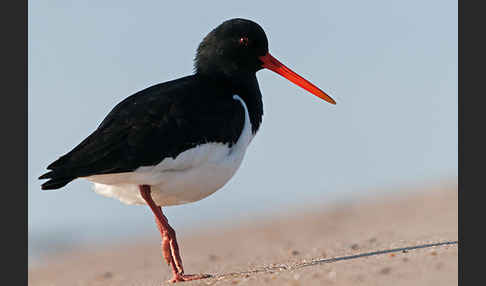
{"x": 188, "y": 277}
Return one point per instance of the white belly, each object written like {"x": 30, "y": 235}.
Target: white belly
{"x": 191, "y": 176}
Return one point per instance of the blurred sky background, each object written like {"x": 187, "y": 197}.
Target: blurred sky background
{"x": 390, "y": 65}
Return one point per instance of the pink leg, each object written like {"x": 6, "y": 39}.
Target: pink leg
{"x": 170, "y": 249}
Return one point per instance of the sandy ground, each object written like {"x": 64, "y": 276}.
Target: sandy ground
{"x": 355, "y": 243}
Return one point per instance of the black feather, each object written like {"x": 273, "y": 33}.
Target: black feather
{"x": 56, "y": 183}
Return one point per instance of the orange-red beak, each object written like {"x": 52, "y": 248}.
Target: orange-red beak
{"x": 273, "y": 64}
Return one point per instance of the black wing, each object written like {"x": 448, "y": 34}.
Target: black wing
{"x": 158, "y": 122}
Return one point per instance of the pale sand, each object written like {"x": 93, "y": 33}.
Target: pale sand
{"x": 281, "y": 251}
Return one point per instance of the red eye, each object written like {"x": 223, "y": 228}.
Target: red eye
{"x": 243, "y": 41}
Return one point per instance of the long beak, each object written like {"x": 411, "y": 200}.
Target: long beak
{"x": 273, "y": 64}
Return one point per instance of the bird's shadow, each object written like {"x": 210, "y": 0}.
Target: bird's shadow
{"x": 283, "y": 267}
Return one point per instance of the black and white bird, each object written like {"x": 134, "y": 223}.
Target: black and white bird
{"x": 182, "y": 140}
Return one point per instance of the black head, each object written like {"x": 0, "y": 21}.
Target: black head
{"x": 231, "y": 49}
{"x": 237, "y": 49}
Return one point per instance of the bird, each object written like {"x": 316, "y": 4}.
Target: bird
{"x": 180, "y": 141}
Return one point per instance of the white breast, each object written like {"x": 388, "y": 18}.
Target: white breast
{"x": 191, "y": 176}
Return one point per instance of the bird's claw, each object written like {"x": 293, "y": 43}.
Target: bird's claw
{"x": 188, "y": 277}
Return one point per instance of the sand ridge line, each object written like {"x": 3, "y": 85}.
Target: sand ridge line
{"x": 283, "y": 267}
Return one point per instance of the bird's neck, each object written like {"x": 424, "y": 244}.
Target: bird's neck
{"x": 249, "y": 91}
{"x": 246, "y": 87}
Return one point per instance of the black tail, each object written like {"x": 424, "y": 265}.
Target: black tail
{"x": 57, "y": 180}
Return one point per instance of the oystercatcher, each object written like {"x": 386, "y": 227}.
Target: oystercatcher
{"x": 182, "y": 140}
